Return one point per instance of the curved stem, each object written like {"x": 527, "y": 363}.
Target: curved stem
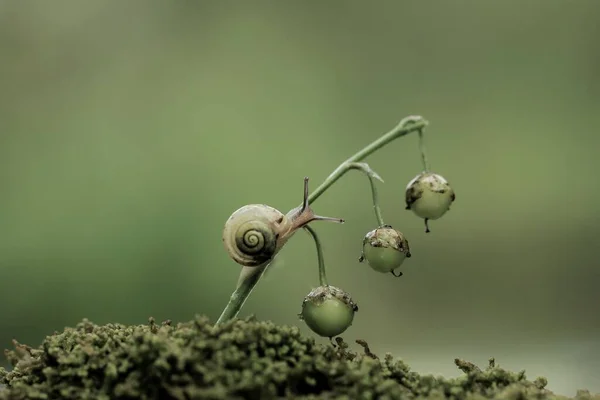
{"x": 376, "y": 202}
{"x": 249, "y": 278}
{"x": 406, "y": 126}
{"x": 372, "y": 175}
{"x": 424, "y": 159}
{"x": 321, "y": 260}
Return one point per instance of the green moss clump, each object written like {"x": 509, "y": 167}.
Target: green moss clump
{"x": 242, "y": 359}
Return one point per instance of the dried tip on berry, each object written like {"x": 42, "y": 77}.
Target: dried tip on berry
{"x": 429, "y": 196}
{"x": 385, "y": 249}
{"x": 328, "y": 311}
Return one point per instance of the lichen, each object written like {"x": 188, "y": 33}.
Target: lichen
{"x": 241, "y": 359}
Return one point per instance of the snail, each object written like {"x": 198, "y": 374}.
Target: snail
{"x": 255, "y": 233}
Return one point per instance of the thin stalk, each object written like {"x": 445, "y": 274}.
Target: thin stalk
{"x": 406, "y": 126}
{"x": 376, "y": 202}
{"x": 321, "y": 260}
{"x": 249, "y": 278}
{"x": 423, "y": 151}
{"x": 372, "y": 175}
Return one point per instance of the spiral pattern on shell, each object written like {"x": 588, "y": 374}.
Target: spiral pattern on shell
{"x": 250, "y": 235}
{"x": 255, "y": 242}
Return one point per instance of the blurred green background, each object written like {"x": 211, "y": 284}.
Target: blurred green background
{"x": 129, "y": 132}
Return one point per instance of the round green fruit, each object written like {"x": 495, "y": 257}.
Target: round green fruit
{"x": 385, "y": 249}
{"x": 429, "y": 196}
{"x": 328, "y": 311}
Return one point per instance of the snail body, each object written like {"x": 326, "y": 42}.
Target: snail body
{"x": 255, "y": 233}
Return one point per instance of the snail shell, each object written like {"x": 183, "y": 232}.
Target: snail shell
{"x": 252, "y": 233}
{"x": 256, "y": 232}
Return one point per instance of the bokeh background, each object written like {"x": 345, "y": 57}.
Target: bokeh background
{"x": 129, "y": 132}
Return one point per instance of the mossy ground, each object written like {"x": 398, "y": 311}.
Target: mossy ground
{"x": 242, "y": 359}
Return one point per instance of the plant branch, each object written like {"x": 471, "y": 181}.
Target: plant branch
{"x": 250, "y": 276}
{"x": 372, "y": 175}
{"x": 406, "y": 126}
{"x": 424, "y": 159}
{"x": 321, "y": 259}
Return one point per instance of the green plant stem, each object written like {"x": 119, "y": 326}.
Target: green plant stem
{"x": 406, "y": 126}
{"x": 321, "y": 259}
{"x": 424, "y": 159}
{"x": 250, "y": 277}
{"x": 372, "y": 175}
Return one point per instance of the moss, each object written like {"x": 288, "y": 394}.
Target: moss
{"x": 242, "y": 359}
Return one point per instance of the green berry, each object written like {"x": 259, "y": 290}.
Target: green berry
{"x": 328, "y": 311}
{"x": 429, "y": 196}
{"x": 385, "y": 249}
